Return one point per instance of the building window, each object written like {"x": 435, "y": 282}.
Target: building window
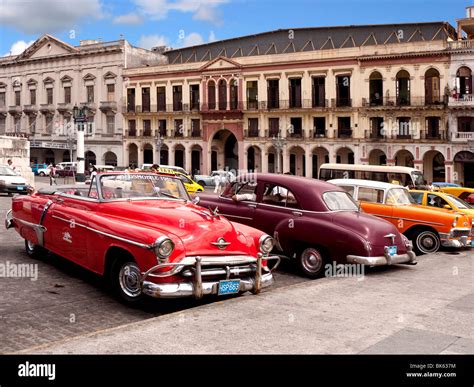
{"x": 161, "y": 98}
{"x": 296, "y": 127}
{"x": 111, "y": 92}
{"x": 147, "y": 128}
{"x": 376, "y": 89}
{"x": 344, "y": 127}
{"x": 465, "y": 124}
{"x": 194, "y": 96}
{"x": 253, "y": 127}
{"x": 432, "y": 128}
{"x": 17, "y": 124}
{"x": 49, "y": 95}
{"x": 463, "y": 85}
{"x": 404, "y": 129}
{"x": 146, "y": 99}
{"x": 90, "y": 93}
{"x": 178, "y": 128}
{"x": 162, "y": 127}
{"x": 252, "y": 94}
{"x": 403, "y": 88}
{"x": 130, "y": 100}
{"x": 177, "y": 98}
{"x": 33, "y": 96}
{"x": 132, "y": 128}
{"x": 196, "y": 128}
{"x": 49, "y": 124}
{"x": 67, "y": 94}
{"x": 211, "y": 95}
{"x": 319, "y": 92}
{"x": 2, "y": 124}
{"x": 319, "y": 126}
{"x": 89, "y": 129}
{"x": 376, "y": 126}
{"x": 432, "y": 90}
{"x": 273, "y": 93}
{"x": 32, "y": 124}
{"x": 2, "y": 99}
{"x": 274, "y": 126}
{"x": 110, "y": 124}
{"x": 343, "y": 90}
{"x": 234, "y": 94}
{"x": 295, "y": 93}
{"x": 222, "y": 86}
{"x": 17, "y": 98}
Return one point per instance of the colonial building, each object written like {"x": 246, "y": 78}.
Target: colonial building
{"x": 290, "y": 100}
{"x": 40, "y": 87}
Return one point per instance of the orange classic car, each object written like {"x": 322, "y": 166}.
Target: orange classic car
{"x": 427, "y": 228}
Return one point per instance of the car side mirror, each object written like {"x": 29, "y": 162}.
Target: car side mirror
{"x": 447, "y": 206}
{"x": 196, "y": 200}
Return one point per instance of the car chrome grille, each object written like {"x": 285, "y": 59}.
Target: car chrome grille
{"x": 222, "y": 272}
{"x": 460, "y": 233}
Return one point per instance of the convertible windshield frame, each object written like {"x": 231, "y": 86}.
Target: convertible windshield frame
{"x": 141, "y": 177}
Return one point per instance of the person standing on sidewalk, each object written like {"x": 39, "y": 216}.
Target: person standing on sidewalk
{"x": 52, "y": 175}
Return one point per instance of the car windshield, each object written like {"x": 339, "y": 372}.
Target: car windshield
{"x": 417, "y": 178}
{"x": 399, "y": 196}
{"x": 6, "y": 171}
{"x": 339, "y": 201}
{"x": 139, "y": 186}
{"x": 459, "y": 203}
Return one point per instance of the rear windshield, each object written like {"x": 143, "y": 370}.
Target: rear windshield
{"x": 339, "y": 201}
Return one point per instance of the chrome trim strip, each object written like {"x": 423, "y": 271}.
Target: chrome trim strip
{"x": 236, "y": 216}
{"x": 39, "y": 230}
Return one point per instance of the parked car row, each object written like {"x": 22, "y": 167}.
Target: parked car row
{"x": 145, "y": 235}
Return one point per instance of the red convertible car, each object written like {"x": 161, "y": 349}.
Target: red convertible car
{"x": 142, "y": 232}
{"x": 312, "y": 221}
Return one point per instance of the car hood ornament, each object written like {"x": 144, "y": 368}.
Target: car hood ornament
{"x": 221, "y": 243}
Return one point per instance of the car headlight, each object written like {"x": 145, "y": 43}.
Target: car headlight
{"x": 455, "y": 221}
{"x": 163, "y": 247}
{"x": 266, "y": 244}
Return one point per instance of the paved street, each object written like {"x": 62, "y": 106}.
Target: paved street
{"x": 426, "y": 308}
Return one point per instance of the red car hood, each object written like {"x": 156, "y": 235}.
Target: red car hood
{"x": 191, "y": 223}
{"x": 369, "y": 227}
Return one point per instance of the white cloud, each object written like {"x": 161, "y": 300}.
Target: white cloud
{"x": 149, "y": 41}
{"x": 129, "y": 18}
{"x": 212, "y": 37}
{"x": 205, "y": 10}
{"x": 195, "y": 39}
{"x": 18, "y": 47}
{"x": 41, "y": 16}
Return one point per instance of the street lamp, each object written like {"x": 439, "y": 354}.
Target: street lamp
{"x": 278, "y": 142}
{"x": 159, "y": 143}
{"x": 80, "y": 115}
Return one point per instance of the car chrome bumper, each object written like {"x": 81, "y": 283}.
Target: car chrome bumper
{"x": 386, "y": 259}
{"x": 448, "y": 241}
{"x": 198, "y": 287}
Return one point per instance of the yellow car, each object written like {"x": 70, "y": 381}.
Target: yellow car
{"x": 439, "y": 199}
{"x": 190, "y": 185}
{"x": 466, "y": 194}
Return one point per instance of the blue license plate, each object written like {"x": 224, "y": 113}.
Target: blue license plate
{"x": 20, "y": 188}
{"x": 472, "y": 242}
{"x": 392, "y": 250}
{"x": 228, "y": 287}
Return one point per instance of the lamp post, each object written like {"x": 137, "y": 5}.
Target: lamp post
{"x": 80, "y": 115}
{"x": 70, "y": 145}
{"x": 278, "y": 142}
{"x": 159, "y": 143}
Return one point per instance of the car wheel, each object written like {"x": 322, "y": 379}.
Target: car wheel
{"x": 33, "y": 250}
{"x": 426, "y": 242}
{"x": 199, "y": 190}
{"x": 42, "y": 174}
{"x": 126, "y": 278}
{"x": 311, "y": 262}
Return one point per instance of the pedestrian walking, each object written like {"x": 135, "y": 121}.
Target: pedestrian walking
{"x": 52, "y": 175}
{"x": 217, "y": 183}
{"x": 10, "y": 164}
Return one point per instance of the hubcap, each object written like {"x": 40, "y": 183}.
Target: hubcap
{"x": 129, "y": 278}
{"x": 427, "y": 242}
{"x": 312, "y": 260}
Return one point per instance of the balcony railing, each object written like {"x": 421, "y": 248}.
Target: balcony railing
{"x": 373, "y": 135}
{"x": 344, "y": 133}
{"x": 433, "y": 135}
{"x": 462, "y": 100}
{"x": 15, "y": 110}
{"x": 341, "y": 102}
{"x": 318, "y": 133}
{"x": 196, "y": 133}
{"x": 251, "y": 133}
{"x": 461, "y": 44}
{"x": 462, "y": 136}
{"x": 108, "y": 106}
{"x": 30, "y": 109}
{"x": 47, "y": 108}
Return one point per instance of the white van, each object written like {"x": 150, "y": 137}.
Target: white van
{"x": 65, "y": 164}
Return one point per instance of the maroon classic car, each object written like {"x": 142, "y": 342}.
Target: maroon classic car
{"x": 312, "y": 221}
{"x": 142, "y": 233}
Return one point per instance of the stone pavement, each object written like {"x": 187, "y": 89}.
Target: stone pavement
{"x": 428, "y": 308}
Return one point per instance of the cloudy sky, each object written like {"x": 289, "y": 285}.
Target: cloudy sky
{"x": 179, "y": 23}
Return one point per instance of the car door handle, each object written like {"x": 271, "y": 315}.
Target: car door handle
{"x": 59, "y": 200}
{"x": 297, "y": 213}
{"x": 252, "y": 205}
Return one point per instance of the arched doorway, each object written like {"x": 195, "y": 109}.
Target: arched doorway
{"x": 133, "y": 155}
{"x": 432, "y": 92}
{"x": 377, "y": 157}
{"x": 272, "y": 159}
{"x": 320, "y": 156}
{"x": 463, "y": 82}
{"x": 164, "y": 155}
{"x": 254, "y": 159}
{"x": 464, "y": 168}
{"x": 225, "y": 144}
{"x": 179, "y": 153}
{"x": 345, "y": 156}
{"x": 376, "y": 89}
{"x": 148, "y": 154}
{"x": 433, "y": 166}
{"x": 404, "y": 158}
{"x": 110, "y": 158}
{"x": 49, "y": 157}
{"x": 90, "y": 159}
{"x": 66, "y": 156}
{"x": 297, "y": 161}
{"x": 196, "y": 152}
